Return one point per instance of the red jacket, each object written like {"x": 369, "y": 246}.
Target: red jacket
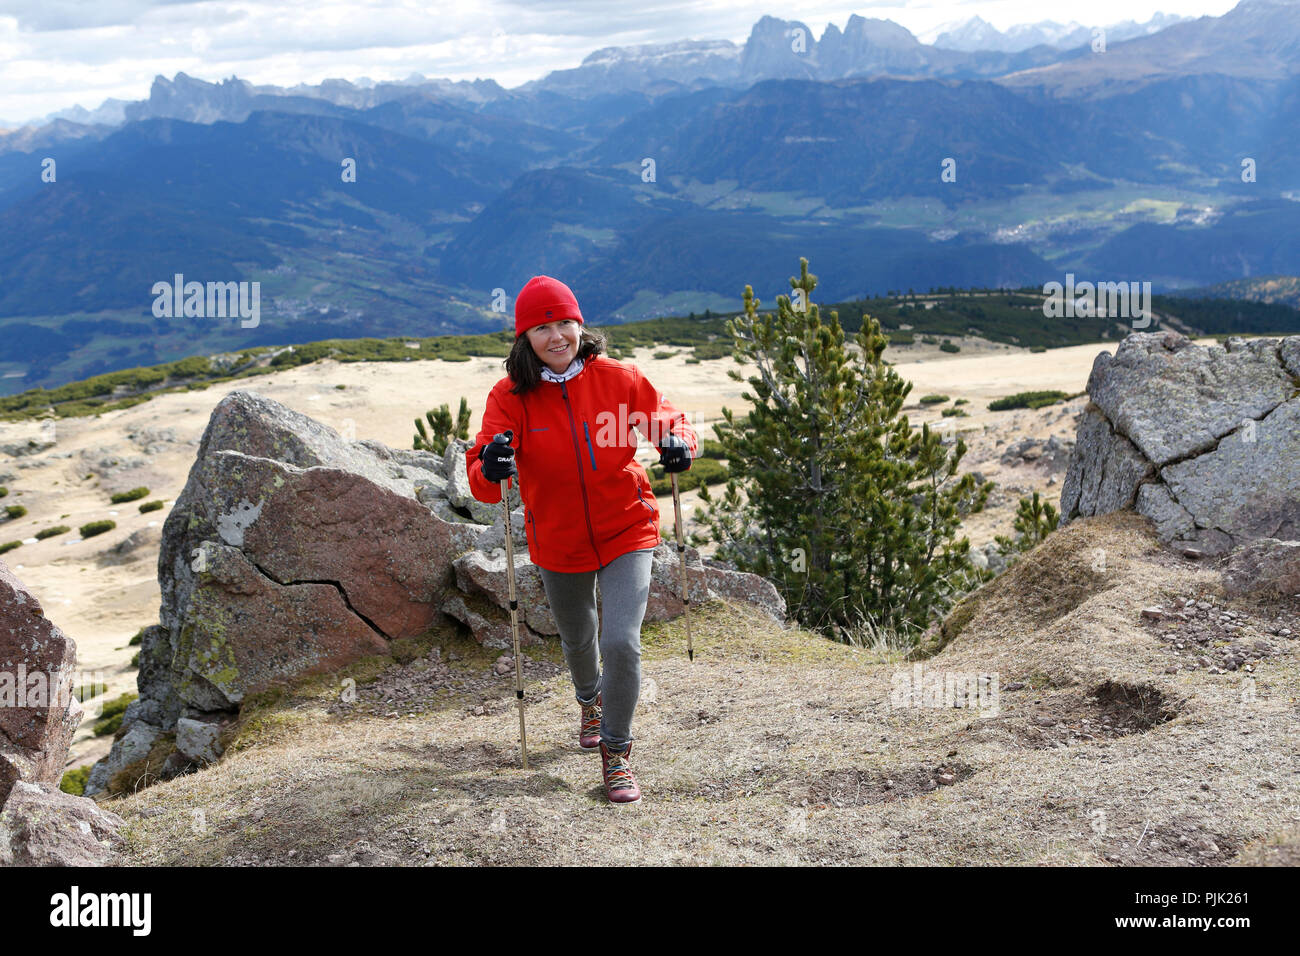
{"x": 586, "y": 501}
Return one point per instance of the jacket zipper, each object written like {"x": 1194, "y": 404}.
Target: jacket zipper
{"x": 586, "y": 431}
{"x": 577, "y": 451}
{"x": 533, "y": 522}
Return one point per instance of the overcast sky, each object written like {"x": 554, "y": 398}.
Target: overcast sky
{"x": 57, "y": 53}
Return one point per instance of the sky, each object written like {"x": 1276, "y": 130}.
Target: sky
{"x": 58, "y": 53}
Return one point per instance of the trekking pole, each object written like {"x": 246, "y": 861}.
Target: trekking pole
{"x": 504, "y": 438}
{"x": 681, "y": 557}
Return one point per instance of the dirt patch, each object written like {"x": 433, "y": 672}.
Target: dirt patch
{"x": 702, "y": 718}
{"x": 857, "y": 788}
{"x": 1109, "y": 710}
{"x": 837, "y": 712}
{"x": 1179, "y": 843}
{"x": 1200, "y": 633}
{"x": 1277, "y": 849}
{"x": 470, "y": 756}
{"x": 432, "y": 683}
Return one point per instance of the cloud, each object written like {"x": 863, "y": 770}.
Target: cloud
{"x": 41, "y": 16}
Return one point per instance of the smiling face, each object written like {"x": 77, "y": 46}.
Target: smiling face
{"x": 555, "y": 343}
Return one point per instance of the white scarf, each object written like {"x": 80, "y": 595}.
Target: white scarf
{"x": 574, "y": 368}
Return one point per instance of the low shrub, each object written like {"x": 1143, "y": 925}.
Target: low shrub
{"x": 74, "y": 781}
{"x": 85, "y": 692}
{"x": 111, "y": 717}
{"x": 92, "y": 528}
{"x": 1027, "y": 400}
{"x": 708, "y": 351}
{"x": 710, "y": 449}
{"x": 702, "y": 471}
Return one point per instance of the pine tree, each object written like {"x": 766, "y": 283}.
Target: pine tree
{"x": 441, "y": 427}
{"x": 1035, "y": 520}
{"x": 851, "y": 512}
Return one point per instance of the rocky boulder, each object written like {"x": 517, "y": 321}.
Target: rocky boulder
{"x": 1267, "y": 569}
{"x": 1052, "y": 454}
{"x": 290, "y": 551}
{"x": 41, "y": 825}
{"x": 1205, "y": 441}
{"x": 38, "y": 712}
{"x": 989, "y": 556}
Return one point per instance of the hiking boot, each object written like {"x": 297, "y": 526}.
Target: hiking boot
{"x": 589, "y": 726}
{"x": 620, "y": 785}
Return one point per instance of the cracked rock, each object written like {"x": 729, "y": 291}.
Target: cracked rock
{"x": 1205, "y": 441}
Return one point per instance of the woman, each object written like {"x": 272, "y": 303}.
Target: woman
{"x": 589, "y": 513}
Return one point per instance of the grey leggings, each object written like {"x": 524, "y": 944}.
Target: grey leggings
{"x": 624, "y": 590}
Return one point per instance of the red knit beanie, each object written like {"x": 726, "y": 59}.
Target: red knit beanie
{"x": 543, "y": 300}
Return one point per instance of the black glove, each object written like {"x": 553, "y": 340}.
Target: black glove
{"x": 674, "y": 454}
{"x": 498, "y": 458}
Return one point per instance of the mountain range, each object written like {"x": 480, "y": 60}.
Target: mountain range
{"x": 976, "y": 33}
{"x": 864, "y": 47}
{"x": 653, "y": 180}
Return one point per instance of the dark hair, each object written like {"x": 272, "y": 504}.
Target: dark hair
{"x": 525, "y": 368}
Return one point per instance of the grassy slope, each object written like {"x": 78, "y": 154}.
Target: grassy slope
{"x": 775, "y": 746}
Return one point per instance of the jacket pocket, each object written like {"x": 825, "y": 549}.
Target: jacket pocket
{"x": 533, "y": 523}
{"x": 641, "y": 496}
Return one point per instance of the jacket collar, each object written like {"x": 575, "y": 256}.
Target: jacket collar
{"x": 574, "y": 368}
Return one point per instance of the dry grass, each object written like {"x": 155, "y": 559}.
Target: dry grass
{"x": 777, "y": 747}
